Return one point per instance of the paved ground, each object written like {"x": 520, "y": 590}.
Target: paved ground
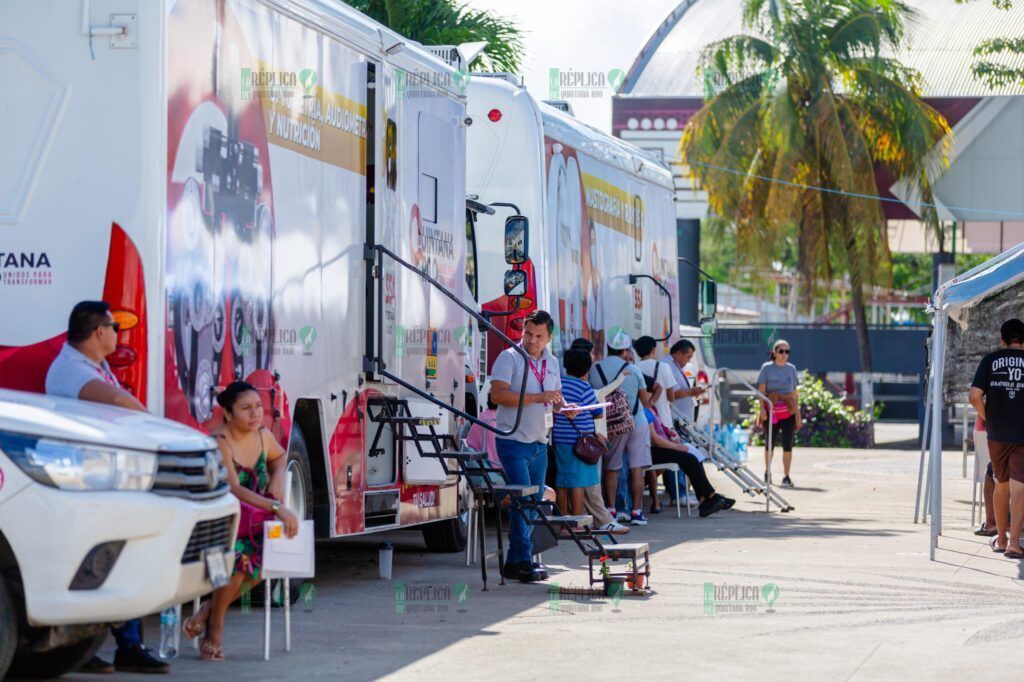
{"x": 857, "y": 598}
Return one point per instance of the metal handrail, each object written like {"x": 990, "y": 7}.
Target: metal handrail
{"x": 382, "y": 370}
{"x": 771, "y": 417}
{"x": 633, "y": 279}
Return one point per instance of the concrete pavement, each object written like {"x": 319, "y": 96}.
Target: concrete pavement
{"x": 852, "y": 596}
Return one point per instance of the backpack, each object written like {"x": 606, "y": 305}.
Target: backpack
{"x": 620, "y": 417}
{"x": 652, "y": 380}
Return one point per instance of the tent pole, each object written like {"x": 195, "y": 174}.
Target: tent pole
{"x": 938, "y": 367}
{"x": 918, "y": 518}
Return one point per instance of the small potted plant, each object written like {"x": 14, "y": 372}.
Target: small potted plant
{"x": 638, "y": 584}
{"x": 612, "y": 583}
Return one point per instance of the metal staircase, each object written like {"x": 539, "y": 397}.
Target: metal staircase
{"x": 489, "y": 487}
{"x": 735, "y": 471}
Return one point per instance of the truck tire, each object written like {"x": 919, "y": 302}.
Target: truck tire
{"x": 8, "y": 629}
{"x": 56, "y": 662}
{"x": 302, "y": 505}
{"x": 446, "y": 536}
{"x": 449, "y": 535}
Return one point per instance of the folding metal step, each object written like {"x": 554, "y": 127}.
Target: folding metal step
{"x": 463, "y": 455}
{"x": 622, "y": 550}
{"x": 569, "y": 521}
{"x": 516, "y": 489}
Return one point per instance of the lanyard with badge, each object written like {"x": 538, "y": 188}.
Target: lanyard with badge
{"x": 549, "y": 415}
{"x": 107, "y": 376}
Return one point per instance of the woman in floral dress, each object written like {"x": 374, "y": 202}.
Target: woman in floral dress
{"x": 256, "y": 465}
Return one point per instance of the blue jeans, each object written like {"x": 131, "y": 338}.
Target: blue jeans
{"x": 129, "y": 635}
{"x": 623, "y": 498}
{"x": 524, "y": 464}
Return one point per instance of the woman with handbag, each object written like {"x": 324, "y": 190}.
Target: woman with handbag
{"x": 578, "y": 450}
{"x": 256, "y": 465}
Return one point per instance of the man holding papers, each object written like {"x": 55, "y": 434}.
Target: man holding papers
{"x": 524, "y": 454}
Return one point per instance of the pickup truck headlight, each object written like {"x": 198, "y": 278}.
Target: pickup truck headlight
{"x": 75, "y": 466}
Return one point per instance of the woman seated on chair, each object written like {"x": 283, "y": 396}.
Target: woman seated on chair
{"x": 256, "y": 465}
{"x": 666, "y": 447}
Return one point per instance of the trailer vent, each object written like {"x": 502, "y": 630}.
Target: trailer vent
{"x": 381, "y": 509}
{"x": 561, "y": 105}
{"x": 449, "y": 54}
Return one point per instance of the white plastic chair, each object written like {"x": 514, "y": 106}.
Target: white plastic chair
{"x": 674, "y": 468}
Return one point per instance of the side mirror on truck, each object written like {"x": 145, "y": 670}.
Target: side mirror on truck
{"x": 515, "y": 283}
{"x": 708, "y": 299}
{"x": 517, "y": 240}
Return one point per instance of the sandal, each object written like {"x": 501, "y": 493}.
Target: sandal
{"x": 985, "y": 531}
{"x": 997, "y": 550}
{"x": 1013, "y": 554}
{"x": 193, "y": 628}
{"x": 208, "y": 651}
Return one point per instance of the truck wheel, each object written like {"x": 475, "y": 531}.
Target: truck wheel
{"x": 302, "y": 505}
{"x": 446, "y": 536}
{"x": 8, "y": 629}
{"x": 56, "y": 662}
{"x": 449, "y": 535}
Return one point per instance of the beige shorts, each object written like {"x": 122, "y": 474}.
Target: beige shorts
{"x": 635, "y": 445}
{"x": 981, "y": 455}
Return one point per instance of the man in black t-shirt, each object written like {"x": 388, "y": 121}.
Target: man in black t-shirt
{"x": 997, "y": 393}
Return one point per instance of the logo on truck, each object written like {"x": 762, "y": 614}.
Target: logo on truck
{"x": 25, "y": 268}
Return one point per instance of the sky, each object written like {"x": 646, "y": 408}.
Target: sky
{"x": 581, "y": 38}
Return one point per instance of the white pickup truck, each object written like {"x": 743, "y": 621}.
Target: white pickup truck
{"x": 105, "y": 515}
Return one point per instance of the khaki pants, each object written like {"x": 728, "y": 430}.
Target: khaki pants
{"x": 593, "y": 502}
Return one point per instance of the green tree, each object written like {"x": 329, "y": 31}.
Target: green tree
{"x": 808, "y": 108}
{"x": 988, "y": 67}
{"x": 443, "y": 22}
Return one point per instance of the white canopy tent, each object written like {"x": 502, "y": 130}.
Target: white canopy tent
{"x": 966, "y": 315}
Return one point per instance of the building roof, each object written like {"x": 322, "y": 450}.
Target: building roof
{"x": 940, "y": 47}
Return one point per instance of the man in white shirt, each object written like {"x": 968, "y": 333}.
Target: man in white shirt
{"x": 682, "y": 396}
{"x": 81, "y": 371}
{"x": 660, "y": 372}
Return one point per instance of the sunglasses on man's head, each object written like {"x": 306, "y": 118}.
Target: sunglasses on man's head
{"x": 782, "y": 351}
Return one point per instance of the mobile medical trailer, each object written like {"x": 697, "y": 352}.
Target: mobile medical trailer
{"x": 257, "y": 187}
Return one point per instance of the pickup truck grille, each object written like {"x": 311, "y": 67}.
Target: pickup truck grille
{"x": 192, "y": 475}
{"x": 215, "y": 533}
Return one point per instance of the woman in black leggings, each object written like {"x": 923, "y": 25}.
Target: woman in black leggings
{"x": 667, "y": 447}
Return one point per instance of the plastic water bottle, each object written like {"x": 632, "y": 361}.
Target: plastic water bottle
{"x": 742, "y": 441}
{"x": 170, "y": 633}
{"x": 730, "y": 440}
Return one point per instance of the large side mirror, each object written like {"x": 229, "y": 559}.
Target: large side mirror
{"x": 517, "y": 239}
{"x": 708, "y": 299}
{"x": 515, "y": 283}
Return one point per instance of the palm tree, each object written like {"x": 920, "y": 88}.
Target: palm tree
{"x": 809, "y": 108}
{"x": 442, "y": 22}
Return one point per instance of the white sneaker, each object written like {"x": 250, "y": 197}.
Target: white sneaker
{"x": 616, "y": 528}
{"x": 622, "y": 516}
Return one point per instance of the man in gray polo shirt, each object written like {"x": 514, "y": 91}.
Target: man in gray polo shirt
{"x": 524, "y": 453}
{"x": 81, "y": 371}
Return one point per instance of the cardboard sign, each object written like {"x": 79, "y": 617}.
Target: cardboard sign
{"x": 285, "y": 557}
